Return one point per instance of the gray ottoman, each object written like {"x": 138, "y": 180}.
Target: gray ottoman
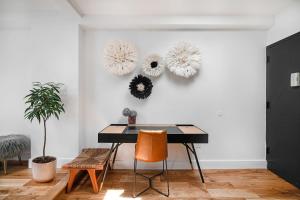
{"x": 12, "y": 146}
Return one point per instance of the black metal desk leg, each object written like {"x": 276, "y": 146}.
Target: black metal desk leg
{"x": 188, "y": 153}
{"x": 199, "y": 168}
{"x": 115, "y": 155}
{"x": 106, "y": 166}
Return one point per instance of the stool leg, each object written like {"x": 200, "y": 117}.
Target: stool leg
{"x": 92, "y": 173}
{"x": 20, "y": 159}
{"x": 5, "y": 166}
{"x": 73, "y": 173}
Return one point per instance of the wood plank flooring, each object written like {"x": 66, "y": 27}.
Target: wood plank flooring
{"x": 184, "y": 184}
{"x": 17, "y": 184}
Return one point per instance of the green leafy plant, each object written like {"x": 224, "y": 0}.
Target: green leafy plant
{"x": 44, "y": 102}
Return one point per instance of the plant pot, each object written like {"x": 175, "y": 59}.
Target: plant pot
{"x": 131, "y": 119}
{"x": 43, "y": 172}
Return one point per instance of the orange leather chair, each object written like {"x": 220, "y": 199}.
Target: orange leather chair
{"x": 151, "y": 146}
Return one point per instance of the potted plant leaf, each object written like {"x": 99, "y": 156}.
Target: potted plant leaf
{"x": 44, "y": 102}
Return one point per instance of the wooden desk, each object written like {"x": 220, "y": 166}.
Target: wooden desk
{"x": 186, "y": 134}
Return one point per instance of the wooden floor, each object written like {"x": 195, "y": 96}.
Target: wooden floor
{"x": 17, "y": 184}
{"x": 184, "y": 184}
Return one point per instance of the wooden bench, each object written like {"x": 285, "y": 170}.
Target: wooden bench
{"x": 91, "y": 160}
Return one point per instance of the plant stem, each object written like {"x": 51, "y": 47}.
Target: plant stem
{"x": 44, "y": 147}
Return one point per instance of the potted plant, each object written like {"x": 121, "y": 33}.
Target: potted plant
{"x": 131, "y": 114}
{"x": 44, "y": 102}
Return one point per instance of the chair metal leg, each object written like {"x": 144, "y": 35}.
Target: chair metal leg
{"x": 167, "y": 176}
{"x": 163, "y": 166}
{"x": 150, "y": 186}
{"x": 134, "y": 183}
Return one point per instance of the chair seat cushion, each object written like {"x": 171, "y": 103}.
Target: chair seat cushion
{"x": 90, "y": 158}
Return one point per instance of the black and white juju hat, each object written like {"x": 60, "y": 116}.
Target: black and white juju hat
{"x": 140, "y": 87}
{"x": 153, "y": 65}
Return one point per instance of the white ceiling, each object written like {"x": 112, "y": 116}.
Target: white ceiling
{"x": 36, "y": 8}
{"x": 180, "y": 7}
{"x": 151, "y": 7}
{"x": 22, "y": 6}
{"x": 152, "y": 14}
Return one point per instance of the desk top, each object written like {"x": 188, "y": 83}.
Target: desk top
{"x": 134, "y": 128}
{"x": 177, "y": 133}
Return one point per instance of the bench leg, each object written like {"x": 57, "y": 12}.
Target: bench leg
{"x": 92, "y": 173}
{"x": 73, "y": 173}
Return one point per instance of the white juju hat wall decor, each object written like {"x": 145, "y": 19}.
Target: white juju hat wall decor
{"x": 120, "y": 57}
{"x": 153, "y": 65}
{"x": 183, "y": 60}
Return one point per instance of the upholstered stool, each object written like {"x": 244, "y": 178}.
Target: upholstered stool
{"x": 13, "y": 146}
{"x": 91, "y": 160}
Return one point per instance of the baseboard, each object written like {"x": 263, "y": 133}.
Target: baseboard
{"x": 205, "y": 164}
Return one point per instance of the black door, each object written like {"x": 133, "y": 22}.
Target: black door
{"x": 283, "y": 109}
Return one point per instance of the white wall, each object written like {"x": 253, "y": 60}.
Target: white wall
{"x": 14, "y": 46}
{"x": 55, "y": 59}
{"x": 45, "y": 50}
{"x": 286, "y": 23}
{"x": 227, "y": 98}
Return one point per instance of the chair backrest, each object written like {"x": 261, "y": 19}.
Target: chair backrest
{"x": 151, "y": 146}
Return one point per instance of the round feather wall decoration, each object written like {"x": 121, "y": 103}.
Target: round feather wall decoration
{"x": 153, "y": 65}
{"x": 120, "y": 57}
{"x": 183, "y": 60}
{"x": 140, "y": 87}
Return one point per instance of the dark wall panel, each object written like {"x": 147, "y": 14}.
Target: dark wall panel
{"x": 283, "y": 109}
